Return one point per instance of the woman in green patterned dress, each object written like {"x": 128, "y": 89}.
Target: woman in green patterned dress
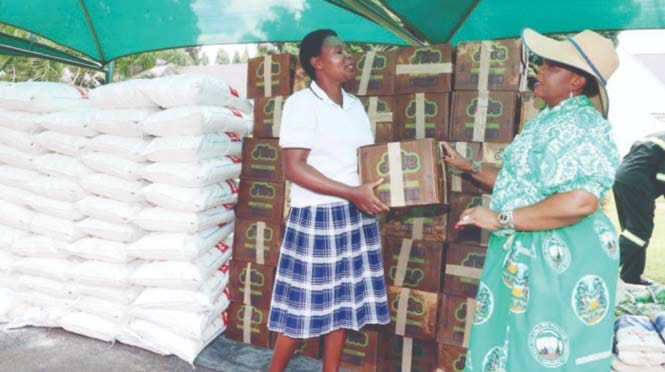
{"x": 546, "y": 295}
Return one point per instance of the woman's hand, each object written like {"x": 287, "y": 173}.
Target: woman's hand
{"x": 454, "y": 158}
{"x": 364, "y": 198}
{"x": 481, "y": 217}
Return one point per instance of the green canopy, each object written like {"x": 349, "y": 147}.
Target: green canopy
{"x": 97, "y": 32}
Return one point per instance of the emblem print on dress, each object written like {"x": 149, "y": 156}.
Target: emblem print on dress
{"x": 608, "y": 239}
{"x": 511, "y": 267}
{"x": 556, "y": 253}
{"x": 549, "y": 345}
{"x": 495, "y": 360}
{"x": 590, "y": 299}
{"x": 520, "y": 291}
{"x": 484, "y": 304}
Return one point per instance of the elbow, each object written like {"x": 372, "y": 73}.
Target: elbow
{"x": 587, "y": 203}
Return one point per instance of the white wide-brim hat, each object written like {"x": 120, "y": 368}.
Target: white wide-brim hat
{"x": 587, "y": 51}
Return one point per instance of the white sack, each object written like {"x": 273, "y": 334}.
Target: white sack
{"x": 20, "y": 140}
{"x": 15, "y": 216}
{"x": 130, "y": 148}
{"x": 121, "y": 95}
{"x": 32, "y": 245}
{"x": 178, "y": 274}
{"x": 42, "y": 96}
{"x": 17, "y": 177}
{"x": 113, "y": 165}
{"x": 196, "y": 174}
{"x": 54, "y": 227}
{"x": 108, "y": 209}
{"x": 179, "y": 246}
{"x": 99, "y": 250}
{"x": 104, "y": 273}
{"x": 187, "y": 199}
{"x": 61, "y": 143}
{"x": 64, "y": 189}
{"x": 195, "y": 90}
{"x": 125, "y": 123}
{"x": 196, "y": 121}
{"x": 58, "y": 165}
{"x": 54, "y": 268}
{"x": 16, "y": 158}
{"x": 114, "y": 188}
{"x": 123, "y": 296}
{"x": 199, "y": 300}
{"x": 117, "y": 232}
{"x": 19, "y": 120}
{"x": 164, "y": 220}
{"x": 89, "y": 325}
{"x": 73, "y": 122}
{"x": 193, "y": 148}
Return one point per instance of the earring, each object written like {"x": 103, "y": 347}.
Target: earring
{"x": 570, "y": 94}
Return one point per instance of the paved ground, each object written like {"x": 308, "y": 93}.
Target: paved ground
{"x": 55, "y": 350}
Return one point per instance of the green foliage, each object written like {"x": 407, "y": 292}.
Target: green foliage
{"x": 222, "y": 57}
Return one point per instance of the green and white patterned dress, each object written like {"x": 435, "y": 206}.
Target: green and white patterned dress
{"x": 546, "y": 298}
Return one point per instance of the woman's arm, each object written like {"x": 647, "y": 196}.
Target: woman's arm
{"x": 485, "y": 175}
{"x": 298, "y": 171}
{"x": 556, "y": 211}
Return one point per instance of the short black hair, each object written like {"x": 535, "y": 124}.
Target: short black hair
{"x": 591, "y": 87}
{"x": 311, "y": 47}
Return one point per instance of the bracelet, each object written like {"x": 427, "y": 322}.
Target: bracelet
{"x": 475, "y": 167}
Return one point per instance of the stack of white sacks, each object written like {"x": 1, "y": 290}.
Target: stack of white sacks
{"x": 118, "y": 215}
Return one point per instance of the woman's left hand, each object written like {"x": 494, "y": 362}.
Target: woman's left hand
{"x": 481, "y": 217}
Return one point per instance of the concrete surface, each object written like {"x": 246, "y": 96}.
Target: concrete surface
{"x": 55, "y": 350}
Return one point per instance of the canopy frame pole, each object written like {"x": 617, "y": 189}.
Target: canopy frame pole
{"x": 79, "y": 62}
{"x": 91, "y": 27}
{"x": 462, "y": 20}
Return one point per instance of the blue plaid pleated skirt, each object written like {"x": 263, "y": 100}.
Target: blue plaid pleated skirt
{"x": 330, "y": 272}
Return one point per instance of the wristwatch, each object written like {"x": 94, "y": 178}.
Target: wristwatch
{"x": 475, "y": 167}
{"x": 506, "y": 219}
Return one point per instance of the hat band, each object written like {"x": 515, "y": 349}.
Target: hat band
{"x": 586, "y": 58}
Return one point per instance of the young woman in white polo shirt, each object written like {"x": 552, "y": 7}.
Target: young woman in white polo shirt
{"x": 330, "y": 274}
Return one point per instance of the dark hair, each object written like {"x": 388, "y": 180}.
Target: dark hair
{"x": 590, "y": 88}
{"x": 311, "y": 47}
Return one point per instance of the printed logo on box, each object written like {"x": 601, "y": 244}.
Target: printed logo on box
{"x": 410, "y": 163}
{"x": 275, "y": 70}
{"x": 256, "y": 278}
{"x": 251, "y": 233}
{"x": 265, "y": 152}
{"x": 494, "y": 108}
{"x": 499, "y": 54}
{"x": 262, "y": 190}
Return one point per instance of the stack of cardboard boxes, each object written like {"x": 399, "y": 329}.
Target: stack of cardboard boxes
{"x": 432, "y": 270}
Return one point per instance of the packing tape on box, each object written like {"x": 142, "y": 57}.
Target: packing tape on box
{"x": 267, "y": 75}
{"x": 375, "y": 116}
{"x": 470, "y": 309}
{"x": 260, "y": 231}
{"x": 424, "y": 68}
{"x": 484, "y": 233}
{"x": 402, "y": 307}
{"x": 480, "y": 117}
{"x": 484, "y": 68}
{"x": 417, "y": 227}
{"x": 456, "y": 186}
{"x": 277, "y": 115}
{"x": 396, "y": 175}
{"x": 247, "y": 324}
{"x": 403, "y": 261}
{"x": 420, "y": 115}
{"x": 407, "y": 354}
{"x": 247, "y": 296}
{"x": 463, "y": 271}
{"x": 444, "y": 178}
{"x": 366, "y": 73}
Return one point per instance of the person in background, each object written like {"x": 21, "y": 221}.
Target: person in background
{"x": 640, "y": 180}
{"x": 330, "y": 274}
{"x": 547, "y": 291}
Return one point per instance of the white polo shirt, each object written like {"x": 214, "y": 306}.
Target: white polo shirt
{"x": 311, "y": 120}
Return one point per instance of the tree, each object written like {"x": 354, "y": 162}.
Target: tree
{"x": 236, "y": 57}
{"x": 222, "y": 57}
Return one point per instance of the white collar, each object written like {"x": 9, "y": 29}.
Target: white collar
{"x": 323, "y": 96}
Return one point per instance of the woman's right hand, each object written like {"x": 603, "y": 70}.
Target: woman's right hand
{"x": 454, "y": 158}
{"x": 365, "y": 199}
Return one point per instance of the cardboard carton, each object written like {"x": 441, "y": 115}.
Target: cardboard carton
{"x": 262, "y": 200}
{"x": 262, "y": 160}
{"x": 415, "y": 177}
{"x": 489, "y": 65}
{"x": 458, "y": 203}
{"x": 257, "y": 241}
{"x": 309, "y": 347}
{"x": 279, "y": 80}
{"x": 268, "y": 116}
{"x": 251, "y": 283}
{"x": 413, "y": 313}
{"x": 530, "y": 106}
{"x": 426, "y": 223}
{"x": 404, "y": 354}
{"x": 451, "y": 358}
{"x": 361, "y": 350}
{"x": 456, "y": 320}
{"x": 424, "y": 69}
{"x": 464, "y": 264}
{"x": 382, "y": 113}
{"x": 415, "y": 264}
{"x": 483, "y": 116}
{"x": 248, "y": 324}
{"x": 375, "y": 74}
{"x": 423, "y": 115}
